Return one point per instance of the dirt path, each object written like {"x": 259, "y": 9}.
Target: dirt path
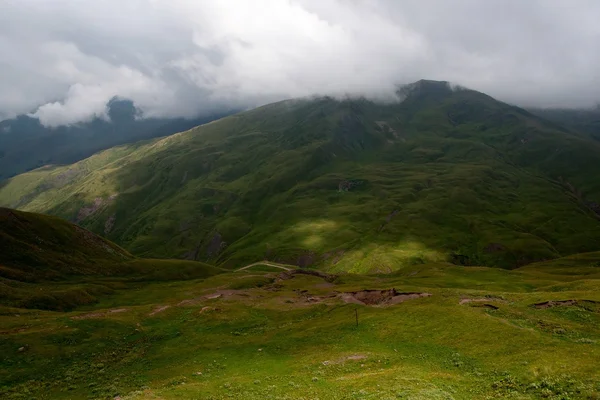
{"x": 269, "y": 263}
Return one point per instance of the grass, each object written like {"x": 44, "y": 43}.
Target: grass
{"x": 109, "y": 325}
{"x": 443, "y": 176}
{"x": 264, "y": 340}
{"x": 48, "y": 263}
{"x": 27, "y": 144}
{"x": 422, "y": 196}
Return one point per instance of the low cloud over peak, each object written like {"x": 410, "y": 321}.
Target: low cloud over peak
{"x": 63, "y": 60}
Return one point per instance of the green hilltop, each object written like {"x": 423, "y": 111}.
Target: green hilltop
{"x": 445, "y": 175}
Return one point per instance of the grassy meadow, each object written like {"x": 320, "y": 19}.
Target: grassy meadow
{"x": 258, "y": 334}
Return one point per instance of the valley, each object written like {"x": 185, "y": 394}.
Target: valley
{"x": 442, "y": 246}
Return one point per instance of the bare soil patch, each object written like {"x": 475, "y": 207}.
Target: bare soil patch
{"x": 308, "y": 298}
{"x": 380, "y": 297}
{"x": 341, "y": 360}
{"x": 563, "y": 303}
{"x": 158, "y": 310}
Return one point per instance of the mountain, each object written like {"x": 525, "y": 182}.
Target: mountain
{"x": 345, "y": 185}
{"x": 581, "y": 120}
{"x": 49, "y": 263}
{"x": 26, "y": 144}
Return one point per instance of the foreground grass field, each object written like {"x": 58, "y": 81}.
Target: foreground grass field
{"x": 255, "y": 334}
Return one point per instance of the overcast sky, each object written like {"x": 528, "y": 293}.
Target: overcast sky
{"x": 62, "y": 60}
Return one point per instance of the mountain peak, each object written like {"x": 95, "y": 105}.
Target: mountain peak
{"x": 444, "y": 175}
{"x": 425, "y": 88}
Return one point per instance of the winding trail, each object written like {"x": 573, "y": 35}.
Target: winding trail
{"x": 269, "y": 263}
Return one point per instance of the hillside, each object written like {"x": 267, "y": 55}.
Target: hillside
{"x": 38, "y": 247}
{"x": 582, "y": 120}
{"x": 343, "y": 185}
{"x": 26, "y": 144}
{"x": 49, "y": 263}
{"x": 261, "y": 335}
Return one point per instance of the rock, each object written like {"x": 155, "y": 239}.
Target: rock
{"x": 595, "y": 207}
{"x": 109, "y": 224}
{"x": 215, "y": 246}
{"x": 192, "y": 254}
{"x": 346, "y": 185}
{"x": 21, "y": 349}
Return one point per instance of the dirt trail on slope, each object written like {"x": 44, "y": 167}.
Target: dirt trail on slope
{"x": 158, "y": 310}
{"x": 269, "y": 263}
{"x": 559, "y": 303}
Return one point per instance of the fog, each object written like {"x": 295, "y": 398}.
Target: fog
{"x": 63, "y": 60}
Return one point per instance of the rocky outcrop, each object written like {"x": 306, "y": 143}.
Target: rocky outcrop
{"x": 380, "y": 297}
{"x": 346, "y": 185}
{"x": 595, "y": 207}
{"x": 192, "y": 255}
{"x": 93, "y": 208}
{"x": 85, "y": 212}
{"x": 109, "y": 224}
{"x": 215, "y": 246}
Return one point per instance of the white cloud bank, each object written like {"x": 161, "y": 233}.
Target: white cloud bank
{"x": 63, "y": 60}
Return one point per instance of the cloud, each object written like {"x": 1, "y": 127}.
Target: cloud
{"x": 63, "y": 60}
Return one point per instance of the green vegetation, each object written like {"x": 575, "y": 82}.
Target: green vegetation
{"x": 48, "y": 263}
{"x": 265, "y": 335}
{"x": 584, "y": 121}
{"x": 341, "y": 185}
{"x": 27, "y": 144}
{"x": 81, "y": 318}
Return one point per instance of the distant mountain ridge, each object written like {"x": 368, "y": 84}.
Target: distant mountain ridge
{"x": 26, "y": 144}
{"x": 443, "y": 175}
{"x": 583, "y": 120}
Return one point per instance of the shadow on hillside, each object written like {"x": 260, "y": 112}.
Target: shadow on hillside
{"x": 320, "y": 185}
{"x": 318, "y": 222}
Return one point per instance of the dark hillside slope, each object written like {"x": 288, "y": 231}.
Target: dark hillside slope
{"x": 26, "y": 144}
{"x": 49, "y": 263}
{"x": 585, "y": 121}
{"x": 444, "y": 175}
{"x": 38, "y": 247}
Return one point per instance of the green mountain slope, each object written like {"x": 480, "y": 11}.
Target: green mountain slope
{"x": 585, "y": 121}
{"x": 26, "y": 144}
{"x": 49, "y": 263}
{"x": 38, "y": 247}
{"x": 445, "y": 175}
